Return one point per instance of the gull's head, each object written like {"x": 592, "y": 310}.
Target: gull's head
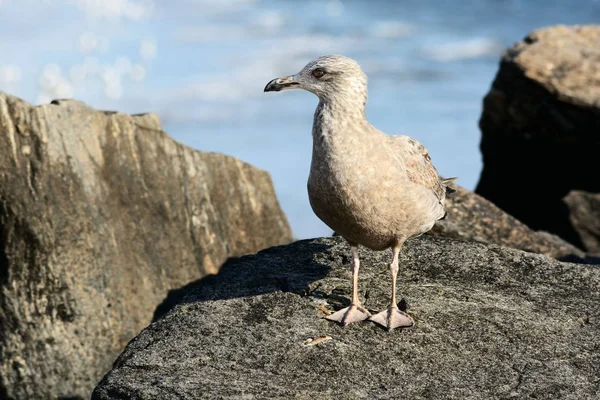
{"x": 327, "y": 77}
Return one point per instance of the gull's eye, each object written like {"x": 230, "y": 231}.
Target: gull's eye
{"x": 318, "y": 72}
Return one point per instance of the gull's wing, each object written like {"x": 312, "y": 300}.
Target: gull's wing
{"x": 418, "y": 165}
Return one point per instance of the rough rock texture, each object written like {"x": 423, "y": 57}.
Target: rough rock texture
{"x": 541, "y": 127}
{"x": 471, "y": 217}
{"x": 101, "y": 214}
{"x": 584, "y": 214}
{"x": 491, "y": 322}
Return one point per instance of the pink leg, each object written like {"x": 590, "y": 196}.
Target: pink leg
{"x": 393, "y": 317}
{"x": 354, "y": 312}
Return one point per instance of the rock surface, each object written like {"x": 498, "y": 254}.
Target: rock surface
{"x": 101, "y": 214}
{"x": 491, "y": 322}
{"x": 471, "y": 217}
{"x": 540, "y": 126}
{"x": 584, "y": 215}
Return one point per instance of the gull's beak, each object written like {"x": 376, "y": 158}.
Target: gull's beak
{"x": 277, "y": 84}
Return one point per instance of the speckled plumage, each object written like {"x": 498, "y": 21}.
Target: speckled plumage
{"x": 373, "y": 189}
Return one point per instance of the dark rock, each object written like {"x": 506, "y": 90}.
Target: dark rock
{"x": 491, "y": 322}
{"x": 584, "y": 215}
{"x": 540, "y": 125}
{"x": 101, "y": 214}
{"x": 471, "y": 217}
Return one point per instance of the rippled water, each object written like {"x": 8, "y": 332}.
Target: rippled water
{"x": 202, "y": 66}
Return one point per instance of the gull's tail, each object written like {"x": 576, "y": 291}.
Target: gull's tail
{"x": 446, "y": 182}
{"x": 449, "y": 190}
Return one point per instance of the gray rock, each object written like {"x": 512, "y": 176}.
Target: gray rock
{"x": 491, "y": 322}
{"x": 540, "y": 125}
{"x": 584, "y": 215}
{"x": 471, "y": 217}
{"x": 101, "y": 214}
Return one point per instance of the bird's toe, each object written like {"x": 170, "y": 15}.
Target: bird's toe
{"x": 348, "y": 315}
{"x": 393, "y": 318}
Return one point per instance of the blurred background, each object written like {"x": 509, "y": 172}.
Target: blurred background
{"x": 201, "y": 65}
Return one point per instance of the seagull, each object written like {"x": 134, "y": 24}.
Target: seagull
{"x": 373, "y": 189}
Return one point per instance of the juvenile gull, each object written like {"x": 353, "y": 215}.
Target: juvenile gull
{"x": 373, "y": 189}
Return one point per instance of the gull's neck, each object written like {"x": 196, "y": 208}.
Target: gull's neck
{"x": 343, "y": 113}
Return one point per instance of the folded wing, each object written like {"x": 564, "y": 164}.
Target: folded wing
{"x": 418, "y": 165}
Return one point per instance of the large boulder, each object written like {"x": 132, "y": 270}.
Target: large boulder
{"x": 491, "y": 322}
{"x": 471, "y": 217}
{"x": 540, "y": 127}
{"x": 584, "y": 215}
{"x": 101, "y": 214}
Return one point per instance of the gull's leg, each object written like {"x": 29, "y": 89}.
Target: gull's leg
{"x": 354, "y": 312}
{"x": 393, "y": 317}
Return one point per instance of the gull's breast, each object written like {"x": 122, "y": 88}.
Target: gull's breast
{"x": 358, "y": 202}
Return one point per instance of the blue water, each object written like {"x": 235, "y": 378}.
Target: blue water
{"x": 202, "y": 66}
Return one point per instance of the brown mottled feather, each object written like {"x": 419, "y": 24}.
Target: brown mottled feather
{"x": 375, "y": 190}
{"x": 419, "y": 168}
